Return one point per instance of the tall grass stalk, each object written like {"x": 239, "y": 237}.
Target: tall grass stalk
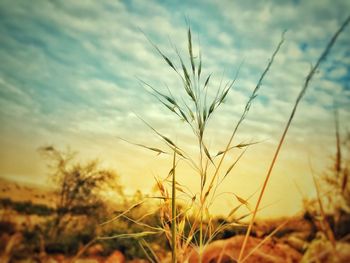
{"x": 245, "y": 112}
{"x": 300, "y": 96}
{"x": 173, "y": 210}
{"x": 338, "y": 158}
{"x": 324, "y": 223}
{"x": 196, "y": 109}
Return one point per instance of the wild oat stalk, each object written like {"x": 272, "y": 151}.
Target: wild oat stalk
{"x": 300, "y": 96}
{"x": 196, "y": 109}
{"x": 173, "y": 212}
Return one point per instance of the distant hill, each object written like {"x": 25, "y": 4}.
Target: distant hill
{"x": 25, "y": 192}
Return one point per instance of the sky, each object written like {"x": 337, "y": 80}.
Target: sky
{"x": 70, "y": 76}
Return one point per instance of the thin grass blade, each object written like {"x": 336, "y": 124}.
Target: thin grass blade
{"x": 190, "y": 50}
{"x": 159, "y": 151}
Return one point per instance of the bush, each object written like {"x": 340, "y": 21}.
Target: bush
{"x": 7, "y": 227}
{"x": 27, "y": 207}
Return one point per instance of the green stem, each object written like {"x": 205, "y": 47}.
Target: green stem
{"x": 173, "y": 209}
{"x": 201, "y": 235}
{"x": 201, "y": 199}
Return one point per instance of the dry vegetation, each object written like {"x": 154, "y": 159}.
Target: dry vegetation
{"x": 77, "y": 224}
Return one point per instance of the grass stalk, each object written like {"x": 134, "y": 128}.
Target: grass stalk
{"x": 324, "y": 223}
{"x": 200, "y": 141}
{"x": 300, "y": 96}
{"x": 245, "y": 112}
{"x": 201, "y": 235}
{"x": 173, "y": 214}
{"x": 196, "y": 113}
{"x": 338, "y": 164}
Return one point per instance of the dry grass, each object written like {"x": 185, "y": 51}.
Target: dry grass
{"x": 196, "y": 109}
{"x": 300, "y": 96}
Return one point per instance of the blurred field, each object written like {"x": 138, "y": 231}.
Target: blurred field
{"x": 25, "y": 210}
